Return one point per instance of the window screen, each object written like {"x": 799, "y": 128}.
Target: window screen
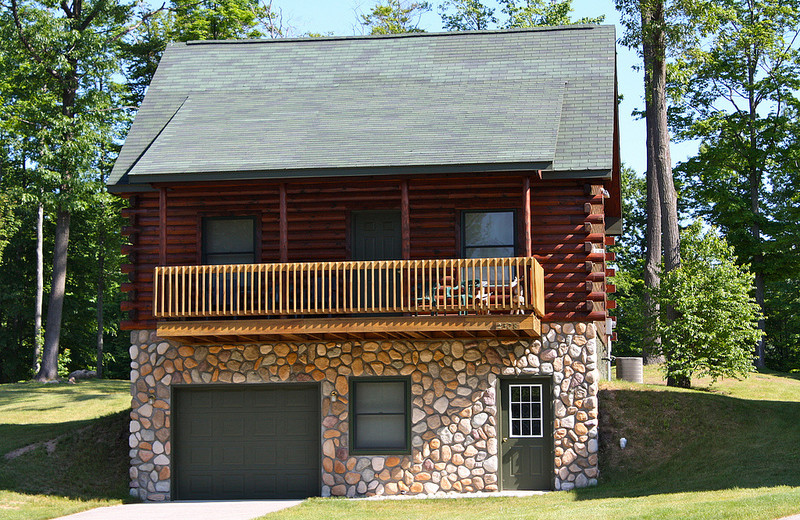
{"x": 488, "y": 234}
{"x": 380, "y": 415}
{"x": 229, "y": 240}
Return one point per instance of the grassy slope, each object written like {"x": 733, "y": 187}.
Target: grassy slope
{"x": 35, "y": 412}
{"x": 724, "y": 451}
{"x": 688, "y": 440}
{"x": 86, "y": 467}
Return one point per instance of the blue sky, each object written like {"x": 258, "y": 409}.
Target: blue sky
{"x": 340, "y": 17}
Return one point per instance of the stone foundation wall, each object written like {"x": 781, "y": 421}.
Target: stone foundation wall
{"x": 454, "y": 410}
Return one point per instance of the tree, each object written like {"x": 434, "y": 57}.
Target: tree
{"x": 656, "y": 28}
{"x": 395, "y": 17}
{"x": 737, "y": 95}
{"x": 466, "y": 15}
{"x": 716, "y": 320}
{"x": 69, "y": 55}
{"x": 220, "y": 19}
{"x": 537, "y": 13}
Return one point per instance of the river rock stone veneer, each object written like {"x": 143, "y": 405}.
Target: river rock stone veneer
{"x": 454, "y": 413}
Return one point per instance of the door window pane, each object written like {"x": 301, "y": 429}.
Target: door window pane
{"x": 380, "y": 415}
{"x": 525, "y": 410}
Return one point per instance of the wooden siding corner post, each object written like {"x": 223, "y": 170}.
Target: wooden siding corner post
{"x": 283, "y": 226}
{"x": 526, "y": 214}
{"x": 162, "y": 226}
{"x": 405, "y": 221}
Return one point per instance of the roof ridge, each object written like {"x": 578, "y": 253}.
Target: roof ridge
{"x": 551, "y": 28}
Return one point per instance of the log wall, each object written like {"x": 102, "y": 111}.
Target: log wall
{"x": 567, "y": 228}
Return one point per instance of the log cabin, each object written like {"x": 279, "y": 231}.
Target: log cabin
{"x": 371, "y": 265}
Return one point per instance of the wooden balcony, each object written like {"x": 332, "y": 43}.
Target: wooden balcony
{"x": 416, "y": 299}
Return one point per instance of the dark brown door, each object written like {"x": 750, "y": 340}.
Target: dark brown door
{"x": 376, "y": 235}
{"x": 246, "y": 441}
{"x": 526, "y": 434}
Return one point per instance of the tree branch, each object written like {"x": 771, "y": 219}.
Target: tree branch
{"x": 35, "y": 55}
{"x": 136, "y": 25}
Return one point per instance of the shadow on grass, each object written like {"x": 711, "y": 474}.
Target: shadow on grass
{"x": 14, "y": 436}
{"x": 89, "y": 461}
{"x": 694, "y": 441}
{"x": 784, "y": 375}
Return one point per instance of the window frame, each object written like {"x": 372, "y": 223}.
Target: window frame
{"x": 463, "y": 230}
{"x": 353, "y": 383}
{"x": 204, "y": 219}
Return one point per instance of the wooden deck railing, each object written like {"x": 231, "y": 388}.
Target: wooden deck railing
{"x": 465, "y": 286}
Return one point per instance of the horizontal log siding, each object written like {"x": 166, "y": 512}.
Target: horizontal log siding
{"x": 318, "y": 219}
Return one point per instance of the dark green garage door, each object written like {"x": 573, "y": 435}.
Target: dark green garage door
{"x": 254, "y": 441}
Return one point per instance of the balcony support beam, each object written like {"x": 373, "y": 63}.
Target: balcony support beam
{"x": 162, "y": 226}
{"x": 405, "y": 220}
{"x": 336, "y": 329}
{"x": 526, "y": 214}
{"x": 283, "y": 225}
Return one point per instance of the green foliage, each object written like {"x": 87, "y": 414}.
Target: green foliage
{"x": 537, "y": 13}
{"x": 64, "y": 360}
{"x": 629, "y": 280}
{"x": 737, "y": 95}
{"x": 466, "y": 15}
{"x": 716, "y": 324}
{"x": 783, "y": 325}
{"x": 395, "y": 17}
{"x": 216, "y": 19}
{"x": 682, "y": 24}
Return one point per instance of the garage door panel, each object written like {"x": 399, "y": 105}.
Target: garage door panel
{"x": 233, "y": 425}
{"x": 295, "y": 455}
{"x": 263, "y": 484}
{"x": 265, "y": 455}
{"x": 230, "y": 400}
{"x": 260, "y": 441}
{"x": 263, "y": 429}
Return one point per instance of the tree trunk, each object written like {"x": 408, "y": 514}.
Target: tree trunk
{"x": 754, "y": 175}
{"x": 49, "y": 369}
{"x": 37, "y": 313}
{"x": 100, "y": 290}
{"x": 679, "y": 381}
{"x": 670, "y": 238}
{"x": 651, "y": 351}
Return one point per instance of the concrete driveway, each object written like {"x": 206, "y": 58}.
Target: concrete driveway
{"x": 190, "y": 510}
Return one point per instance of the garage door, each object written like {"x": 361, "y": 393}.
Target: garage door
{"x": 253, "y": 441}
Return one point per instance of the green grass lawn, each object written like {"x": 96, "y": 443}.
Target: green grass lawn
{"x": 723, "y": 450}
{"x": 78, "y": 456}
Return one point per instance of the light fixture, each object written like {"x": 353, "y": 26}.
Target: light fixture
{"x": 151, "y": 398}
{"x": 334, "y": 396}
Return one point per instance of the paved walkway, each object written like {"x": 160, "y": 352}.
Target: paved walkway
{"x": 200, "y": 510}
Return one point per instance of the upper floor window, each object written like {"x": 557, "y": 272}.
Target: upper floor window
{"x": 229, "y": 240}
{"x": 488, "y": 234}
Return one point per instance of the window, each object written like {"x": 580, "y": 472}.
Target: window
{"x": 379, "y": 408}
{"x": 229, "y": 240}
{"x": 488, "y": 234}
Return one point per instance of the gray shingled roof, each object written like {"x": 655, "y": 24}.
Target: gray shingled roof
{"x": 541, "y": 98}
